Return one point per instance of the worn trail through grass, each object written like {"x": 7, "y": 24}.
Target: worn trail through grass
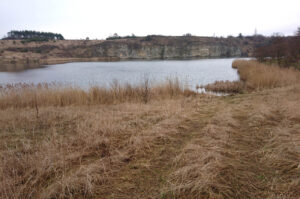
{"x": 247, "y": 150}
{"x": 224, "y": 149}
{"x": 147, "y": 176}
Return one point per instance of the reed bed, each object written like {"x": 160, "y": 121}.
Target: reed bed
{"x": 259, "y": 76}
{"x": 256, "y": 76}
{"x": 237, "y": 63}
{"x": 30, "y": 95}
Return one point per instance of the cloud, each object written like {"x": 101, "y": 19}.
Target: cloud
{"x": 100, "y": 18}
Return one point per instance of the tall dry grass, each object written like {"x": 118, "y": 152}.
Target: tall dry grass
{"x": 225, "y": 87}
{"x": 29, "y": 95}
{"x": 65, "y": 142}
{"x": 248, "y": 149}
{"x": 82, "y": 151}
{"x": 260, "y": 76}
{"x": 256, "y": 76}
{"x": 237, "y": 62}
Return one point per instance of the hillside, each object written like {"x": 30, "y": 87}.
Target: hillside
{"x": 19, "y": 54}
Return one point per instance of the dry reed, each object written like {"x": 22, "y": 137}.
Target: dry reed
{"x": 64, "y": 142}
{"x": 29, "y": 95}
{"x": 225, "y": 87}
{"x": 80, "y": 151}
{"x": 248, "y": 149}
{"x": 260, "y": 76}
{"x": 256, "y": 76}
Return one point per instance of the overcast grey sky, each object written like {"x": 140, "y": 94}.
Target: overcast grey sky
{"x": 77, "y": 19}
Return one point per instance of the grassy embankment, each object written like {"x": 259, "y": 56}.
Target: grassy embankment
{"x": 160, "y": 142}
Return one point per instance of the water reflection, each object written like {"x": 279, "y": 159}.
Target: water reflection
{"x": 18, "y": 67}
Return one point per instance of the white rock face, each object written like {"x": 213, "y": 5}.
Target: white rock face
{"x": 128, "y": 51}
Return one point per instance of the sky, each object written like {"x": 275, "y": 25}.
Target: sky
{"x": 98, "y": 19}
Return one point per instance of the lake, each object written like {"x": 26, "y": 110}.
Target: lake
{"x": 86, "y": 74}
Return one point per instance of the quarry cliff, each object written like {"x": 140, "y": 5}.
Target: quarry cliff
{"x": 17, "y": 53}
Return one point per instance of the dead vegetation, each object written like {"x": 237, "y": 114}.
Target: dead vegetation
{"x": 80, "y": 151}
{"x": 247, "y": 150}
{"x": 225, "y": 87}
{"x": 259, "y": 76}
{"x": 256, "y": 76}
{"x": 71, "y": 143}
{"x": 28, "y": 95}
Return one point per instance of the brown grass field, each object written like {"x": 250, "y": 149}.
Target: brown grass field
{"x": 147, "y": 141}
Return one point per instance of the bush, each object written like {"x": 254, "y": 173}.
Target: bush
{"x": 148, "y": 38}
{"x": 116, "y": 36}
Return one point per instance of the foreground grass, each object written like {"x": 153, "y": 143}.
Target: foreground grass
{"x": 176, "y": 146}
{"x": 81, "y": 151}
{"x": 248, "y": 149}
{"x": 69, "y": 143}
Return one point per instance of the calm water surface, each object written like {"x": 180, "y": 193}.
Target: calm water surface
{"x": 86, "y": 74}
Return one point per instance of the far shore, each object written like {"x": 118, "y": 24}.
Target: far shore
{"x": 19, "y": 65}
{"x": 22, "y": 54}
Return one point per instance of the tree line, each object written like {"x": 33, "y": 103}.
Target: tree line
{"x": 285, "y": 51}
{"x": 116, "y": 36}
{"x": 33, "y": 35}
